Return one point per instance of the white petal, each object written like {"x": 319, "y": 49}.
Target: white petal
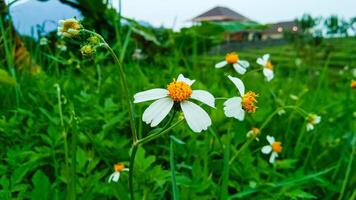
{"x": 157, "y": 111}
{"x": 243, "y": 63}
{"x": 317, "y": 120}
{"x": 268, "y": 73}
{"x": 239, "y": 69}
{"x": 239, "y": 84}
{"x": 310, "y": 127}
{"x": 266, "y": 149}
{"x": 233, "y": 108}
{"x": 221, "y": 64}
{"x": 149, "y": 95}
{"x": 185, "y": 80}
{"x": 114, "y": 177}
{"x": 195, "y": 116}
{"x": 266, "y": 57}
{"x": 273, "y": 157}
{"x": 261, "y": 62}
{"x": 270, "y": 139}
{"x": 61, "y": 22}
{"x": 204, "y": 97}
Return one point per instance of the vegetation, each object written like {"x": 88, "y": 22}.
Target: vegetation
{"x": 63, "y": 127}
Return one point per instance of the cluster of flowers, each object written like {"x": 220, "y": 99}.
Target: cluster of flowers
{"x": 178, "y": 95}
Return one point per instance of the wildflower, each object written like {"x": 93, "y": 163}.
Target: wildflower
{"x": 138, "y": 55}
{"x": 94, "y": 40}
{"x": 233, "y": 58}
{"x": 68, "y": 28}
{"x": 237, "y": 106}
{"x": 312, "y": 119}
{"x": 87, "y": 50}
{"x": 119, "y": 167}
{"x": 43, "y": 41}
{"x": 177, "y": 93}
{"x": 267, "y": 66}
{"x": 61, "y": 46}
{"x": 273, "y": 148}
{"x": 353, "y": 84}
{"x": 254, "y": 132}
{"x": 281, "y": 111}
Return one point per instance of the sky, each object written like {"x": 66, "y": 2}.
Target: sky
{"x": 177, "y": 13}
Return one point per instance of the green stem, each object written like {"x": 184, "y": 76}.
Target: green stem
{"x": 142, "y": 141}
{"x": 74, "y": 157}
{"x": 244, "y": 146}
{"x": 131, "y": 170}
{"x": 348, "y": 171}
{"x": 123, "y": 81}
{"x": 157, "y": 134}
{"x": 173, "y": 171}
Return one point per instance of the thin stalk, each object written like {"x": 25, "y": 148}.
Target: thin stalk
{"x": 123, "y": 81}
{"x": 141, "y": 142}
{"x": 74, "y": 158}
{"x": 173, "y": 171}
{"x": 244, "y": 146}
{"x": 348, "y": 171}
{"x": 131, "y": 170}
{"x": 158, "y": 134}
{"x": 65, "y": 135}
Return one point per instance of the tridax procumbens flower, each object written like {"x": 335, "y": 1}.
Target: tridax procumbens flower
{"x": 177, "y": 93}
{"x": 267, "y": 66}
{"x": 312, "y": 119}
{"x": 353, "y": 84}
{"x": 273, "y": 148}
{"x": 254, "y": 132}
{"x": 68, "y": 28}
{"x": 237, "y": 106}
{"x": 43, "y": 41}
{"x": 233, "y": 58}
{"x": 118, "y": 168}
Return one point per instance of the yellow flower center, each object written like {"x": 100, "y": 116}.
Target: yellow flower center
{"x": 231, "y": 58}
{"x": 70, "y": 24}
{"x": 119, "y": 167}
{"x": 269, "y": 65}
{"x": 255, "y": 131}
{"x": 179, "y": 91}
{"x": 248, "y": 102}
{"x": 277, "y": 147}
{"x": 353, "y": 84}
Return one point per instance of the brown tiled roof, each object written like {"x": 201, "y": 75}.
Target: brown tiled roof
{"x": 220, "y": 14}
{"x": 286, "y": 26}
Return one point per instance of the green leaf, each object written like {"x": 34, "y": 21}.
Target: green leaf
{"x": 41, "y": 186}
{"x": 297, "y": 193}
{"x": 5, "y": 78}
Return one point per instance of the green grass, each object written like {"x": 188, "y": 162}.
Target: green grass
{"x": 57, "y": 146}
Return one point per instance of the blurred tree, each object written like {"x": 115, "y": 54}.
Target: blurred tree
{"x": 336, "y": 26}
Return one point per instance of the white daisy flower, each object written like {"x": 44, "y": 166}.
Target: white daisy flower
{"x": 312, "y": 119}
{"x": 240, "y": 66}
{"x": 43, "y": 41}
{"x": 177, "y": 93}
{"x": 254, "y": 132}
{"x": 68, "y": 28}
{"x": 237, "y": 106}
{"x": 273, "y": 148}
{"x": 267, "y": 66}
{"x": 116, "y": 175}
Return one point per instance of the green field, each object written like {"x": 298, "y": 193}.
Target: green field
{"x": 63, "y": 129}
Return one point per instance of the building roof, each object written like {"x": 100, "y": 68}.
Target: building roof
{"x": 220, "y": 14}
{"x": 281, "y": 27}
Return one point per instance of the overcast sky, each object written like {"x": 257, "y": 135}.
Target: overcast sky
{"x": 159, "y": 12}
{"x": 177, "y": 13}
